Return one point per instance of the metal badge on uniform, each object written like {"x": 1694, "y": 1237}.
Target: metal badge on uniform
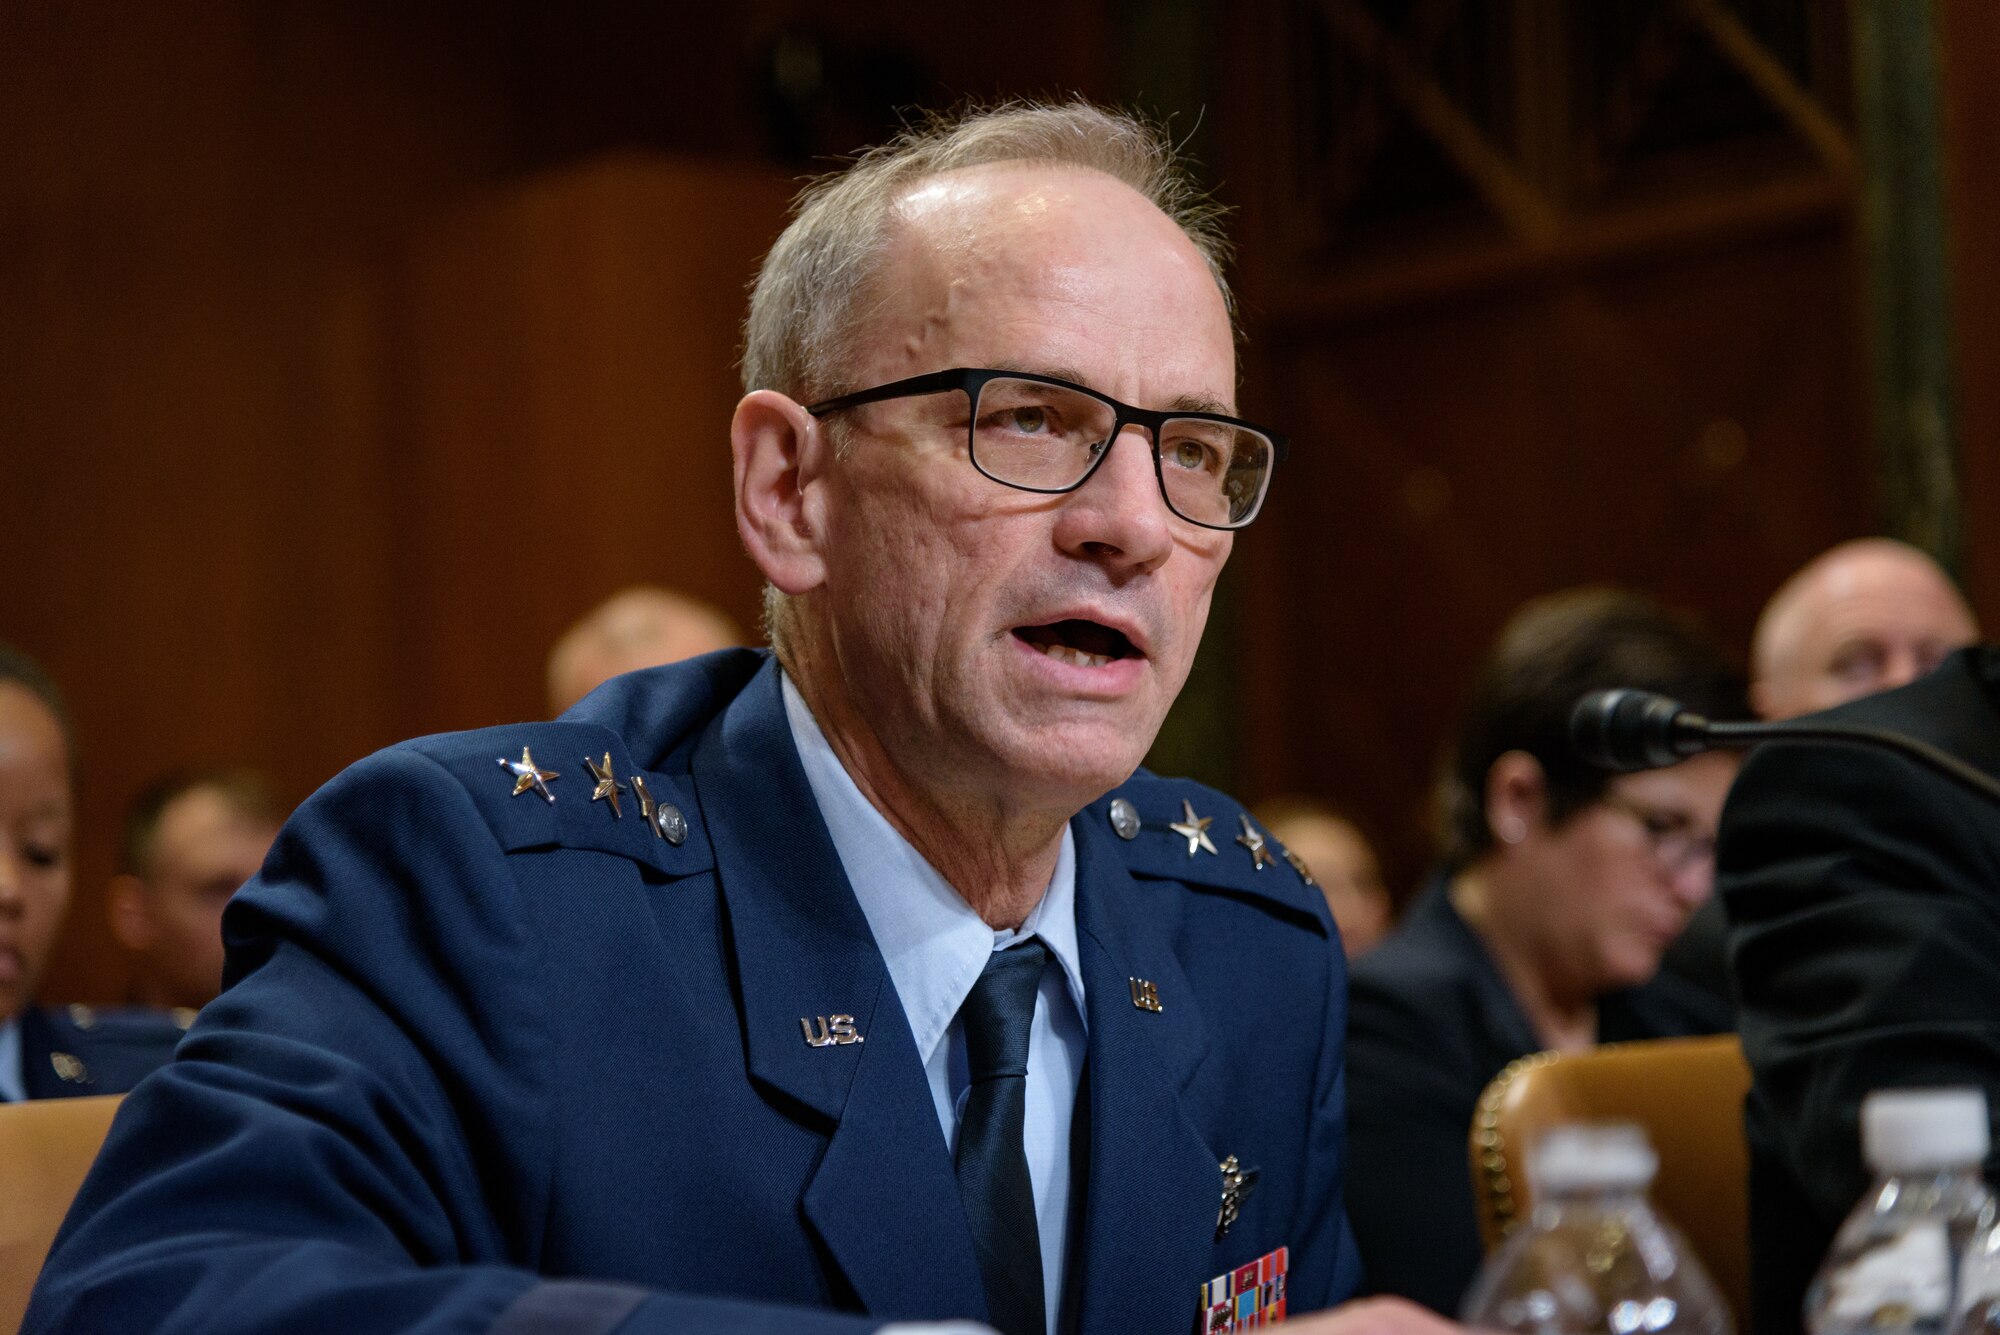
{"x": 527, "y": 774}
{"x": 1248, "y": 1296}
{"x": 69, "y": 1067}
{"x": 663, "y": 818}
{"x": 1237, "y": 1184}
{"x": 1299, "y": 866}
{"x": 1125, "y": 819}
{"x": 607, "y": 784}
{"x": 1145, "y": 996}
{"x": 1254, "y": 840}
{"x": 1193, "y": 828}
{"x": 834, "y": 1031}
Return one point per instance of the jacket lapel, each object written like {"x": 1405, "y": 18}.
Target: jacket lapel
{"x": 883, "y": 1198}
{"x": 1155, "y": 1185}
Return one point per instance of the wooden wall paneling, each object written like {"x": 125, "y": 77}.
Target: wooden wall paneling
{"x": 190, "y": 251}
{"x": 569, "y": 354}
{"x": 1691, "y": 428}
{"x": 1969, "y": 48}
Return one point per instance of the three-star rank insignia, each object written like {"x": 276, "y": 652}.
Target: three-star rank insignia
{"x": 1259, "y": 846}
{"x": 528, "y": 775}
{"x": 607, "y": 786}
{"x": 1193, "y": 828}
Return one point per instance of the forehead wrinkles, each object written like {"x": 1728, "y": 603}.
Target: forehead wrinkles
{"x": 1042, "y": 254}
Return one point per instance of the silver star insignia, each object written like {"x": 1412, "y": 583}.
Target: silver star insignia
{"x": 528, "y": 775}
{"x": 1193, "y": 828}
{"x": 607, "y": 786}
{"x": 1260, "y": 852}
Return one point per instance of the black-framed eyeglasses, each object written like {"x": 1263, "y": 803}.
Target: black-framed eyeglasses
{"x": 1673, "y": 840}
{"x": 1038, "y": 433}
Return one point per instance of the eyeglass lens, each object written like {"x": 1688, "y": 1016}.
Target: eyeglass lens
{"x": 1047, "y": 437}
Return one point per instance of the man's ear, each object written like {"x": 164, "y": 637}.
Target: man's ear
{"x": 125, "y": 907}
{"x": 780, "y": 457}
{"x": 1517, "y": 797}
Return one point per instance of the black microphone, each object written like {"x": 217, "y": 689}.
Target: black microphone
{"x": 1633, "y": 730}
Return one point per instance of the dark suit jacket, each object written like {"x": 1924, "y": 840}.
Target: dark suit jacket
{"x": 71, "y": 1051}
{"x": 1863, "y": 894}
{"x": 1431, "y": 1022}
{"x": 488, "y": 1063}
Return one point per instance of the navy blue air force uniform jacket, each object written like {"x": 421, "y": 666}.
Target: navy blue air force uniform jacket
{"x": 490, "y": 1063}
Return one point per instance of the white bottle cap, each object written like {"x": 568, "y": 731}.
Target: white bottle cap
{"x": 1911, "y": 1130}
{"x": 1592, "y": 1157}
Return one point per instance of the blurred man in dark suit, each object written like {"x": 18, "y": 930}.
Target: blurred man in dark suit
{"x": 1859, "y": 888}
{"x": 1866, "y": 616}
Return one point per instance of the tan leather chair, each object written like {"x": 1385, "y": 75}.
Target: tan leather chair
{"x": 46, "y": 1146}
{"x": 1688, "y": 1095}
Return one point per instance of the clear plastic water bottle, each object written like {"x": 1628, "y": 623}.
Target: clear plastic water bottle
{"x": 1893, "y": 1266}
{"x": 1594, "y": 1256}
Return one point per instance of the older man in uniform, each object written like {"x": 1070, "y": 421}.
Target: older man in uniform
{"x": 864, "y": 983}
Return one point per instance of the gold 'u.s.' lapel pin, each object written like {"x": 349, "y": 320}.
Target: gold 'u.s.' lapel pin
{"x": 1145, "y": 995}
{"x": 833, "y": 1031}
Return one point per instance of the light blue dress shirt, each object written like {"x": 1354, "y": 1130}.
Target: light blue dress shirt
{"x": 935, "y": 947}
{"x": 13, "y": 1085}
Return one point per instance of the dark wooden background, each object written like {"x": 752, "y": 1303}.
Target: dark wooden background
{"x": 349, "y": 350}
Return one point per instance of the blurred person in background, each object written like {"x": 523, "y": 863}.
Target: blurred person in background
{"x": 640, "y": 627}
{"x": 1866, "y": 616}
{"x": 1860, "y": 618}
{"x": 1341, "y": 861}
{"x": 190, "y": 840}
{"x": 1560, "y": 887}
{"x": 50, "y": 1052}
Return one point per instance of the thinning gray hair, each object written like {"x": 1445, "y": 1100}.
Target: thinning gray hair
{"x": 807, "y": 302}
{"x": 802, "y": 306}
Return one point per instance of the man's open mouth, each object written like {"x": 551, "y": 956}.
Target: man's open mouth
{"x": 1082, "y": 643}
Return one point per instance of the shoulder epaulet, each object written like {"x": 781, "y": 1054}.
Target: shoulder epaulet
{"x": 574, "y": 785}
{"x": 1181, "y": 830}
{"x": 134, "y": 1026}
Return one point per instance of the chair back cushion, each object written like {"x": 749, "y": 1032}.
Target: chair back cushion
{"x": 1687, "y": 1093}
{"x": 46, "y": 1146}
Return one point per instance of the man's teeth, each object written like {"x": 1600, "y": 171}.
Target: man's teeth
{"x": 1062, "y": 653}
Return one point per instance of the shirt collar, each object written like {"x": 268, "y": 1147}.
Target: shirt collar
{"x": 13, "y": 1084}
{"x": 933, "y": 942}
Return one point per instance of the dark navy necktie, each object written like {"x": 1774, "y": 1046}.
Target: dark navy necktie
{"x": 992, "y": 1164}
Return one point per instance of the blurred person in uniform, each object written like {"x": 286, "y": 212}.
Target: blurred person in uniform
{"x": 863, "y": 981}
{"x": 1866, "y": 616}
{"x": 1338, "y": 857}
{"x": 1542, "y": 929}
{"x": 191, "y": 840}
{"x": 640, "y": 627}
{"x": 51, "y": 1051}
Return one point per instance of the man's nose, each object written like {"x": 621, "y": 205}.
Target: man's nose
{"x": 10, "y": 882}
{"x": 1119, "y": 515}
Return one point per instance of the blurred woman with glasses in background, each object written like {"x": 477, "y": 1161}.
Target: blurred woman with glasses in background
{"x": 1560, "y": 888}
